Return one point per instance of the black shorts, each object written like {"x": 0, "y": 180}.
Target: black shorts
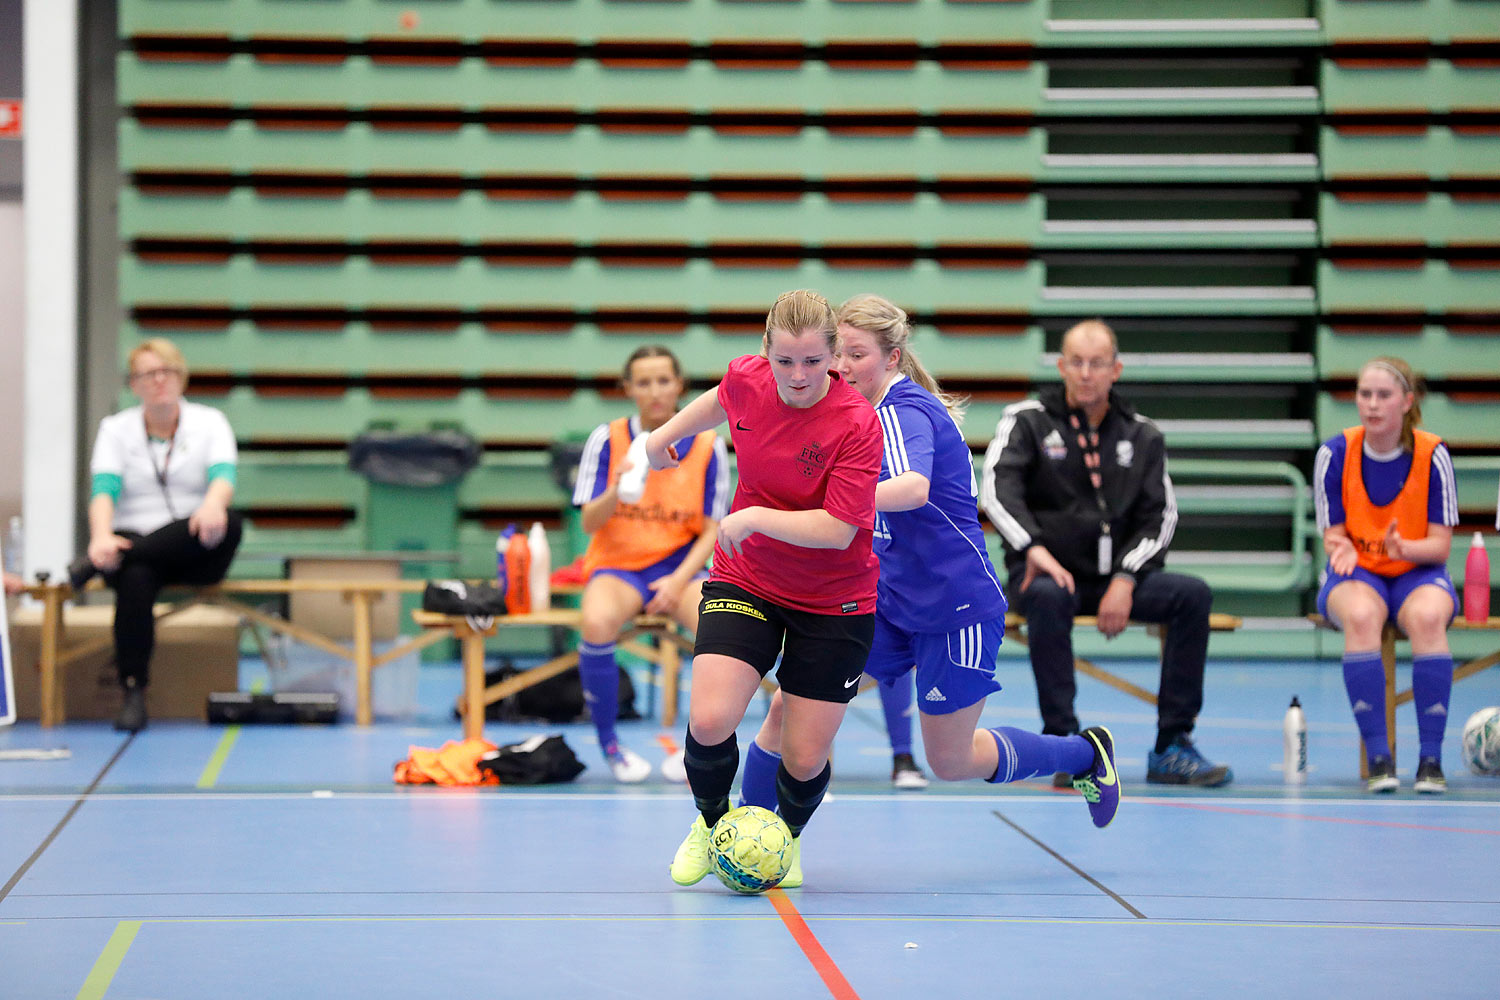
{"x": 824, "y": 655}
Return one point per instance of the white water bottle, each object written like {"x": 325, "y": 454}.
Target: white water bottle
{"x": 540, "y": 580}
{"x": 15, "y": 547}
{"x": 1294, "y": 744}
{"x": 632, "y": 485}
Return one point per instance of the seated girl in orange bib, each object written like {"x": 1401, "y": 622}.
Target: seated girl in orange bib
{"x": 648, "y": 554}
{"x": 1386, "y": 505}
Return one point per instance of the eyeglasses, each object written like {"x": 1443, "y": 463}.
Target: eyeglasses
{"x": 1089, "y": 364}
{"x": 153, "y": 374}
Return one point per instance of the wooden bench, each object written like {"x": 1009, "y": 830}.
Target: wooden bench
{"x": 1388, "y": 637}
{"x": 362, "y": 595}
{"x": 1015, "y": 626}
{"x": 666, "y": 654}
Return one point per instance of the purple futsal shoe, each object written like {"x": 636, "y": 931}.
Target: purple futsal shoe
{"x": 1100, "y": 784}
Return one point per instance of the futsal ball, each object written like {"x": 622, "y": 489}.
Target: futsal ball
{"x": 1481, "y": 742}
{"x": 750, "y": 849}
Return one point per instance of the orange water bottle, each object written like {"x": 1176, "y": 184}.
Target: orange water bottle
{"x": 1477, "y": 581}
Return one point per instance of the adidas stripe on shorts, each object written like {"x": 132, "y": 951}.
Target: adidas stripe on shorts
{"x": 954, "y": 669}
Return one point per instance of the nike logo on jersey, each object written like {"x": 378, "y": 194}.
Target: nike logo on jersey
{"x": 851, "y": 683}
{"x": 741, "y": 427}
{"x": 934, "y": 695}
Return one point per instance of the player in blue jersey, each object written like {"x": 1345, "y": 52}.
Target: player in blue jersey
{"x": 939, "y": 605}
{"x": 1386, "y": 506}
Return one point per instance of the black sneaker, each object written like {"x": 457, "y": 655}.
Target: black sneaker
{"x": 906, "y": 774}
{"x": 80, "y": 572}
{"x": 132, "y": 717}
{"x": 1430, "y": 780}
{"x": 1382, "y": 777}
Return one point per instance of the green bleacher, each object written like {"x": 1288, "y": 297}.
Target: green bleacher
{"x": 468, "y": 212}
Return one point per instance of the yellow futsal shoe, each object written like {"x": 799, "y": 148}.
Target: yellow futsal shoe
{"x": 691, "y": 862}
{"x": 793, "y": 877}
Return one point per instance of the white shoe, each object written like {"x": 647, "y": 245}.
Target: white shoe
{"x": 905, "y": 773}
{"x": 674, "y": 769}
{"x": 628, "y": 767}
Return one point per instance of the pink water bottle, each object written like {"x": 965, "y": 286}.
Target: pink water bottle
{"x": 1477, "y": 581}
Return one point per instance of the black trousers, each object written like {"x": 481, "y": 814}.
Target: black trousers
{"x": 168, "y": 555}
{"x": 1181, "y": 603}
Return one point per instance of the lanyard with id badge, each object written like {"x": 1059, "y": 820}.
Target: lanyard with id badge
{"x": 1088, "y": 443}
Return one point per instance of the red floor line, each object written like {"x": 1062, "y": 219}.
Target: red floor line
{"x": 1326, "y": 819}
{"x": 803, "y": 935}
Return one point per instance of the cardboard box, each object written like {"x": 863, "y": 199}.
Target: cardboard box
{"x": 197, "y": 651}
{"x": 330, "y": 614}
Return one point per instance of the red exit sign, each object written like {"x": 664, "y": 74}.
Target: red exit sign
{"x": 10, "y": 119}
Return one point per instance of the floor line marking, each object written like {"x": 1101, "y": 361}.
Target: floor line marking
{"x": 822, "y": 964}
{"x": 47, "y": 841}
{"x": 109, "y": 960}
{"x": 1348, "y": 820}
{"x": 215, "y": 763}
{"x": 1044, "y": 796}
{"x": 1070, "y": 865}
{"x": 1297, "y": 925}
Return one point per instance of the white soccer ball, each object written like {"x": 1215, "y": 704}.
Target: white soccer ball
{"x": 1481, "y": 741}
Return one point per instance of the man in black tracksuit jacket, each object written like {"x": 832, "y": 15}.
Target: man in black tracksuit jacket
{"x": 1076, "y": 482}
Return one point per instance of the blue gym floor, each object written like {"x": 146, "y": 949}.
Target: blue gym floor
{"x": 193, "y": 861}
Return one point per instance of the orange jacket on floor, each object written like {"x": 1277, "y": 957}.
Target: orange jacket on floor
{"x": 454, "y": 763}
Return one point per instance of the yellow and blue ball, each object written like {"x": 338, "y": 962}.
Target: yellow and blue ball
{"x": 750, "y": 849}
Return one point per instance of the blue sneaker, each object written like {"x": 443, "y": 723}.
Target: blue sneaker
{"x": 1182, "y": 764}
{"x": 1100, "y": 784}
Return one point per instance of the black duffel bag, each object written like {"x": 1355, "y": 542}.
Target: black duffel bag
{"x": 540, "y": 760}
{"x": 455, "y": 597}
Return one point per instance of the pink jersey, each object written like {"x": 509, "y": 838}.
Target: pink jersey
{"x": 826, "y": 456}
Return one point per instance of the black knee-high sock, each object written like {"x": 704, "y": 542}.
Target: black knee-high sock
{"x": 710, "y": 773}
{"x": 797, "y": 800}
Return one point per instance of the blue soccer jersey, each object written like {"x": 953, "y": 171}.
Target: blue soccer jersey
{"x": 935, "y": 575}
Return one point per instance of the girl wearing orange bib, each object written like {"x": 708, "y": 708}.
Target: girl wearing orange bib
{"x": 1386, "y": 506}
{"x": 646, "y": 553}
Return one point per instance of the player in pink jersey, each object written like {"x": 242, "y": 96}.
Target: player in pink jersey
{"x": 793, "y": 571}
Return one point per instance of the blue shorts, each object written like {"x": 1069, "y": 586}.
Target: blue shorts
{"x": 642, "y": 579}
{"x": 954, "y": 669}
{"x": 1393, "y": 590}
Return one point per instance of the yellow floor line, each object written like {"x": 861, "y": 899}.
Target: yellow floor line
{"x": 103, "y": 972}
{"x": 583, "y": 918}
{"x": 216, "y": 762}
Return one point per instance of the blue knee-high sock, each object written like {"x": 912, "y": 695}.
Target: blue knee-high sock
{"x": 1025, "y": 754}
{"x": 601, "y": 689}
{"x": 1364, "y": 680}
{"x": 1431, "y": 684}
{"x": 896, "y": 700}
{"x": 758, "y": 784}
